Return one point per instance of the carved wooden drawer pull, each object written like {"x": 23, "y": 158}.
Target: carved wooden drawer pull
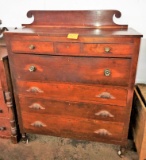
{"x": 105, "y": 95}
{"x": 2, "y": 128}
{"x": 1, "y": 111}
{"x": 36, "y": 106}
{"x": 34, "y": 90}
{"x": 38, "y": 124}
{"x": 103, "y": 132}
{"x": 104, "y": 113}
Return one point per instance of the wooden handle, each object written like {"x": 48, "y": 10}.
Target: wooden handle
{"x": 36, "y": 106}
{"x": 105, "y": 95}
{"x": 38, "y": 124}
{"x": 103, "y": 132}
{"x": 104, "y": 113}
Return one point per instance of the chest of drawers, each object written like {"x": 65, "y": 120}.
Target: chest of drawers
{"x": 7, "y": 113}
{"x": 73, "y": 74}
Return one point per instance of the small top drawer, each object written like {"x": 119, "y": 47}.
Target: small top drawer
{"x": 39, "y": 47}
{"x": 107, "y": 49}
{"x": 67, "y": 48}
{"x": 73, "y": 48}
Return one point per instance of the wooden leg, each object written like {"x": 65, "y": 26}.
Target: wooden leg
{"x": 9, "y": 103}
{"x": 122, "y": 151}
{"x": 24, "y": 138}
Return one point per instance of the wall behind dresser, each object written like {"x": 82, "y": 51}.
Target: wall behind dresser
{"x": 13, "y": 14}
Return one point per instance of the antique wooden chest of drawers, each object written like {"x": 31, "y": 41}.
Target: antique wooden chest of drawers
{"x": 8, "y": 127}
{"x": 73, "y": 74}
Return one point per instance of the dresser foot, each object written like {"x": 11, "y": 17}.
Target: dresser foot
{"x": 122, "y": 151}
{"x": 24, "y": 138}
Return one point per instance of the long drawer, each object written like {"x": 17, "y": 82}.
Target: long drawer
{"x": 74, "y": 109}
{"x": 72, "y": 92}
{"x": 107, "y": 71}
{"x": 74, "y": 127}
{"x": 5, "y": 127}
{"x": 72, "y": 48}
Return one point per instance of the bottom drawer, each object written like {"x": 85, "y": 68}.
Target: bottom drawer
{"x": 5, "y": 129}
{"x": 79, "y": 128}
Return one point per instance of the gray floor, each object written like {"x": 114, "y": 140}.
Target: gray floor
{"x": 54, "y": 148}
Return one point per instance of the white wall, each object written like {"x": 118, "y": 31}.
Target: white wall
{"x": 13, "y": 14}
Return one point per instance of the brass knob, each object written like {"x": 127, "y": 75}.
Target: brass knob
{"x": 107, "y": 72}
{"x": 31, "y": 47}
{"x": 32, "y": 68}
{"x": 2, "y": 128}
{"x": 107, "y": 49}
{"x": 1, "y": 111}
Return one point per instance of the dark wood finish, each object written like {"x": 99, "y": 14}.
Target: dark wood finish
{"x": 81, "y": 19}
{"x": 79, "y": 88}
{"x": 74, "y": 109}
{"x": 73, "y": 48}
{"x": 72, "y": 92}
{"x": 8, "y": 122}
{"x": 76, "y": 69}
{"x": 80, "y": 127}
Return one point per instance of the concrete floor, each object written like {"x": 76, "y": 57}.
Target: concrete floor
{"x": 55, "y": 148}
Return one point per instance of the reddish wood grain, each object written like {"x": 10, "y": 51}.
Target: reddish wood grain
{"x": 85, "y": 19}
{"x": 74, "y": 109}
{"x": 72, "y": 69}
{"x": 72, "y": 92}
{"x": 60, "y": 125}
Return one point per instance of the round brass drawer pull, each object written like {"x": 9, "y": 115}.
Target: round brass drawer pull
{"x": 107, "y": 72}
{"x": 2, "y": 128}
{"x": 1, "y": 111}
{"x": 32, "y": 68}
{"x": 31, "y": 47}
{"x": 107, "y": 49}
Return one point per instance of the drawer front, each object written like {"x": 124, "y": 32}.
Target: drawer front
{"x": 66, "y": 126}
{"x": 5, "y": 130}
{"x": 3, "y": 106}
{"x": 67, "y": 48}
{"x": 108, "y": 49}
{"x": 36, "y": 47}
{"x": 108, "y": 71}
{"x": 72, "y": 92}
{"x": 72, "y": 48}
{"x": 74, "y": 109}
